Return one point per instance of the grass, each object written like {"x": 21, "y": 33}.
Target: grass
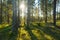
{"x": 4, "y": 33}
{"x": 34, "y": 32}
{"x": 3, "y": 25}
{"x": 58, "y": 23}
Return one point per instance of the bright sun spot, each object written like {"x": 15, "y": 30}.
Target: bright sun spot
{"x": 22, "y": 8}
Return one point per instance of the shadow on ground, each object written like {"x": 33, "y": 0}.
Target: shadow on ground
{"x": 45, "y": 33}
{"x": 54, "y": 32}
{"x": 7, "y": 34}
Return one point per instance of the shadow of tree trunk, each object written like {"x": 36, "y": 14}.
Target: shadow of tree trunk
{"x": 14, "y": 34}
{"x": 33, "y": 37}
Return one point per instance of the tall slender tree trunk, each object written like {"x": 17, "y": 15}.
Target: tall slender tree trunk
{"x": 28, "y": 14}
{"x": 7, "y": 12}
{"x": 18, "y": 14}
{"x": 31, "y": 13}
{"x": 46, "y": 11}
{"x": 8, "y": 18}
{"x": 54, "y": 13}
{"x": 1, "y": 13}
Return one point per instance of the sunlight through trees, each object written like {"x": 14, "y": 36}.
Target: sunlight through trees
{"x": 29, "y": 19}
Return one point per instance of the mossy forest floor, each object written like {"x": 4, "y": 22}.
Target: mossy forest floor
{"x": 34, "y": 32}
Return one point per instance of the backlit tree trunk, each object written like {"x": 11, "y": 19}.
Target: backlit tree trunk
{"x": 54, "y": 13}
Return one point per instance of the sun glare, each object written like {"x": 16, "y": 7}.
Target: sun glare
{"x": 22, "y": 8}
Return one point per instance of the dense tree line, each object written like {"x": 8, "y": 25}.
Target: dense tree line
{"x": 44, "y": 11}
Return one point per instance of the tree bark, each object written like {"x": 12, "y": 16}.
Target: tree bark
{"x": 1, "y": 13}
{"x": 46, "y": 11}
{"x": 28, "y": 14}
{"x": 54, "y": 13}
{"x": 14, "y": 19}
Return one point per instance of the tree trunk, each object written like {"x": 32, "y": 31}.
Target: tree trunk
{"x": 1, "y": 13}
{"x": 54, "y": 13}
{"x": 46, "y": 11}
{"x": 7, "y": 12}
{"x": 28, "y": 14}
{"x": 14, "y": 20}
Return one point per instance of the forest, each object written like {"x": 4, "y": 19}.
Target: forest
{"x": 29, "y": 19}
